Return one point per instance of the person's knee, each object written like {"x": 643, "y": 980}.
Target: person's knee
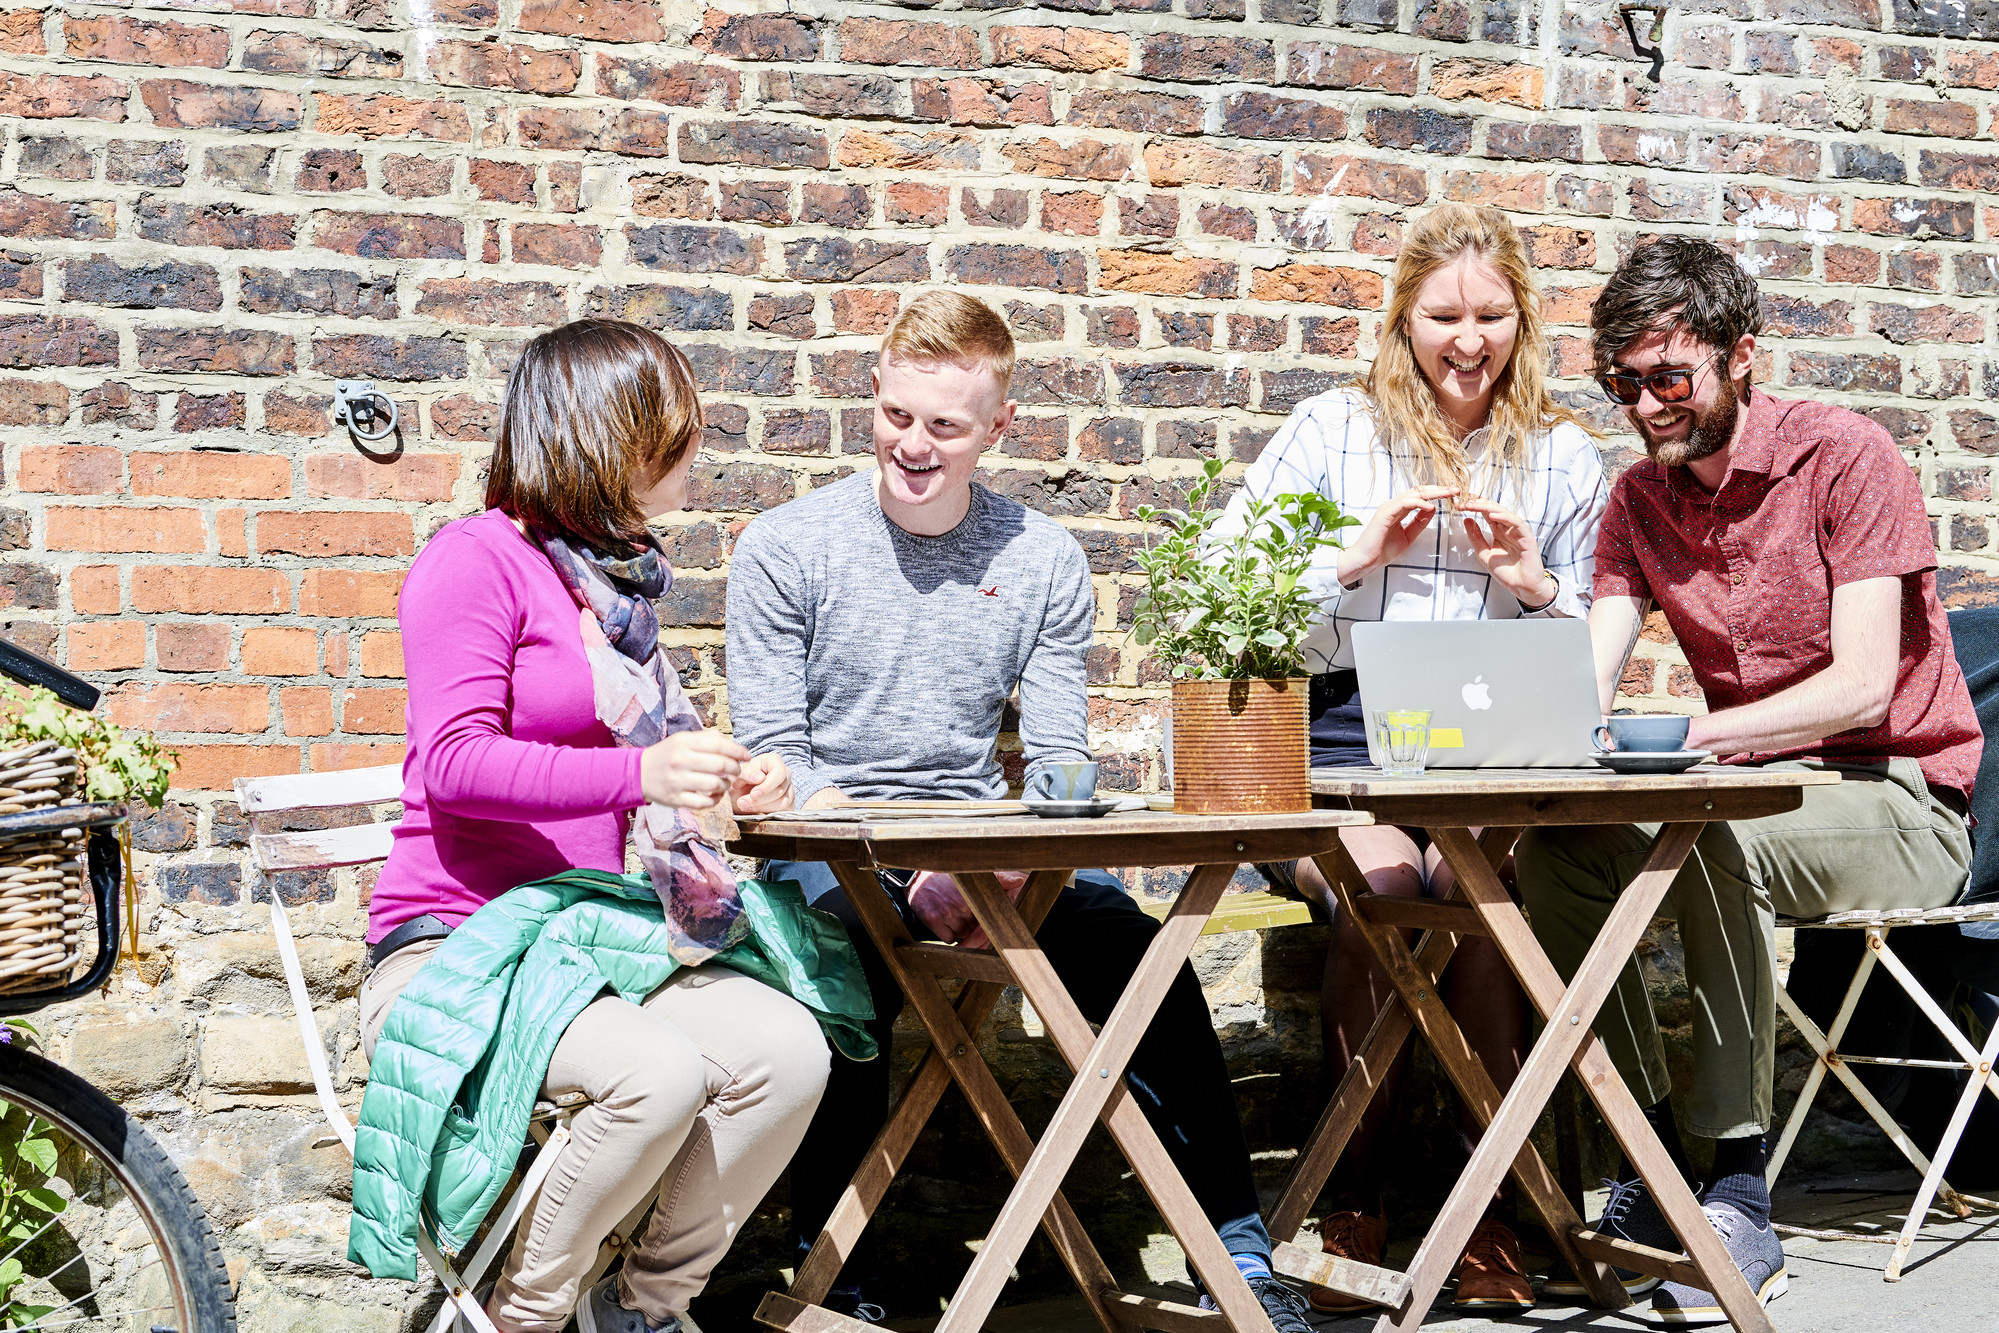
{"x": 665, "y": 1082}
{"x": 779, "y": 1050}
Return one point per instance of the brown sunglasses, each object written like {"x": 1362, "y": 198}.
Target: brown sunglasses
{"x": 1668, "y": 386}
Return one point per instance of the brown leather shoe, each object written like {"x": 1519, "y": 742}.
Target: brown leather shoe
{"x": 1349, "y": 1235}
{"x": 1490, "y": 1275}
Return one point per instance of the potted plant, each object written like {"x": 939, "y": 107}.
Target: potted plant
{"x": 1227, "y": 615}
{"x": 110, "y": 765}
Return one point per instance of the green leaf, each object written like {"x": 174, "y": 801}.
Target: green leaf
{"x": 1271, "y": 638}
{"x": 45, "y": 1199}
{"x": 39, "y": 1153}
{"x": 10, "y": 1272}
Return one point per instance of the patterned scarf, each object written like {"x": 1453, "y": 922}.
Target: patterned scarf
{"x": 639, "y": 698}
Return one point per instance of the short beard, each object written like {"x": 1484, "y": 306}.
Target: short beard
{"x": 1712, "y": 431}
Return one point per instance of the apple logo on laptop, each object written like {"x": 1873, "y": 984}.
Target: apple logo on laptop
{"x": 1478, "y": 694}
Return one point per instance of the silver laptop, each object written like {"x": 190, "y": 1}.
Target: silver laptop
{"x": 1501, "y": 693}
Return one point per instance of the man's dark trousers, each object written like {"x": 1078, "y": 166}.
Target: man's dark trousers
{"x": 1094, "y": 937}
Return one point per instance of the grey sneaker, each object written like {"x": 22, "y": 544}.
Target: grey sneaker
{"x": 1756, "y": 1251}
{"x": 1628, "y": 1214}
{"x": 600, "y": 1312}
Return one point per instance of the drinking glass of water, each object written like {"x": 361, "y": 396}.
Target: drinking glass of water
{"x": 1402, "y": 737}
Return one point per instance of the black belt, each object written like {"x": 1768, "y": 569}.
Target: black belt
{"x": 409, "y": 932}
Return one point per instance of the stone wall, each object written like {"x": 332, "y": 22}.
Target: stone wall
{"x": 1187, "y": 208}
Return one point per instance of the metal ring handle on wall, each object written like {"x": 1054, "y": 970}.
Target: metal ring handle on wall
{"x": 354, "y": 406}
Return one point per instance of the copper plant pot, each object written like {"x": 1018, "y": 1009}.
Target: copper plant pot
{"x": 1239, "y": 747}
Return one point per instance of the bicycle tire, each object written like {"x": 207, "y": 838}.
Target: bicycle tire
{"x": 98, "y": 1126}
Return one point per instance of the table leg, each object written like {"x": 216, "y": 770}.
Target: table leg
{"x": 988, "y": 1102}
{"x": 835, "y": 1245}
{"x": 1567, "y": 1040}
{"x": 1418, "y": 990}
{"x": 1129, "y": 1128}
{"x": 1370, "y": 1065}
{"x": 1080, "y": 1109}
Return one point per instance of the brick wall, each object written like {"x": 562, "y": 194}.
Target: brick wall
{"x": 1186, "y": 208}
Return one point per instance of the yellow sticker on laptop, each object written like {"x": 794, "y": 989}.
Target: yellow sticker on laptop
{"x": 1447, "y": 738}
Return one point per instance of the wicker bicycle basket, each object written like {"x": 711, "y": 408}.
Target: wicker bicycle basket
{"x": 45, "y": 902}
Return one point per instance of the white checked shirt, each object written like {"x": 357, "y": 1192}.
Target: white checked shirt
{"x": 1328, "y": 445}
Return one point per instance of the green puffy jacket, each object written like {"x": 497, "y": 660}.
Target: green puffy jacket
{"x": 461, "y": 1058}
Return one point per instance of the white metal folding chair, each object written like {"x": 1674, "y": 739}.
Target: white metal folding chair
{"x": 263, "y": 798}
{"x": 1978, "y": 1063}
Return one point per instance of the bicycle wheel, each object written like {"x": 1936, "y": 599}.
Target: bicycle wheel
{"x": 130, "y": 1249}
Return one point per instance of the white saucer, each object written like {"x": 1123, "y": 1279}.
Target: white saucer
{"x": 1650, "y": 761}
{"x": 1094, "y": 808}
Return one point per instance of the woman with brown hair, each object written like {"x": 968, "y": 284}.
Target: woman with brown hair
{"x": 542, "y": 714}
{"x": 1454, "y": 413}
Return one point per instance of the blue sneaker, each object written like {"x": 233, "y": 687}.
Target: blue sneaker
{"x": 600, "y": 1312}
{"x": 1628, "y": 1214}
{"x": 1757, "y": 1252}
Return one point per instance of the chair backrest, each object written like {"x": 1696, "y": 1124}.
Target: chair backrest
{"x": 313, "y": 849}
{"x": 1975, "y": 638}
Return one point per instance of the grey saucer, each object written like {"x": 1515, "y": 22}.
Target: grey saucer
{"x": 1093, "y": 808}
{"x": 1631, "y": 762}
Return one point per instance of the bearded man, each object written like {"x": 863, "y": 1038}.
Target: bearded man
{"x": 1788, "y": 545}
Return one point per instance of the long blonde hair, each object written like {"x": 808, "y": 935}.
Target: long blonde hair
{"x": 1420, "y": 440}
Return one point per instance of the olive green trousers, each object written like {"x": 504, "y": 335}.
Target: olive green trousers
{"x": 1879, "y": 839}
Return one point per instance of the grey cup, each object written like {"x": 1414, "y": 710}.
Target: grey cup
{"x": 1644, "y": 733}
{"x": 1067, "y": 781}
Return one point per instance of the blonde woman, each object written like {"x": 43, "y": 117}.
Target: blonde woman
{"x": 1454, "y": 412}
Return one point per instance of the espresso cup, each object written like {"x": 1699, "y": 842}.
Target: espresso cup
{"x": 1065, "y": 781}
{"x": 1643, "y": 733}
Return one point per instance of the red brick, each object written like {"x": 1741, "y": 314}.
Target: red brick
{"x": 1077, "y": 213}
{"x": 1925, "y": 324}
{"x": 389, "y": 235}
{"x": 93, "y": 590}
{"x": 490, "y": 64}
{"x": 176, "y": 707}
{"x": 502, "y": 182}
{"x": 187, "y": 645}
{"x": 1487, "y": 81}
{"x": 1518, "y": 194}
{"x": 21, "y": 32}
{"x": 1141, "y": 112}
{"x": 124, "y": 41}
{"x": 414, "y": 477}
{"x": 1328, "y": 176}
{"x": 858, "y": 310}
{"x": 329, "y": 534}
{"x": 319, "y": 57}
{"x": 597, "y": 20}
{"x": 993, "y": 102}
{"x": 62, "y": 97}
{"x": 1560, "y": 247}
{"x": 1191, "y": 59}
{"x": 307, "y": 710}
{"x": 459, "y": 417}
{"x": 116, "y": 405}
{"x": 330, "y": 171}
{"x": 177, "y": 104}
{"x": 386, "y": 116}
{"x": 308, "y": 416}
{"x": 347, "y": 592}
{"x": 1953, "y": 119}
{"x": 224, "y": 226}
{"x": 1318, "y": 284}
{"x": 681, "y": 83}
{"x": 212, "y": 476}
{"x": 216, "y": 351}
{"x": 216, "y": 767}
{"x": 557, "y": 244}
{"x": 483, "y": 301}
{"x": 381, "y": 654}
{"x": 906, "y": 201}
{"x": 27, "y": 216}
{"x": 411, "y": 177}
{"x": 122, "y": 528}
{"x": 1165, "y": 275}
{"x": 33, "y": 403}
{"x": 1172, "y": 164}
{"x": 336, "y": 655}
{"x": 1326, "y": 65}
{"x": 71, "y": 469}
{"x": 273, "y": 650}
{"x": 195, "y": 590}
{"x": 565, "y": 187}
{"x": 903, "y": 151}
{"x": 898, "y": 42}
{"x": 232, "y": 532}
{"x": 1077, "y": 50}
{"x": 106, "y": 645}
{"x": 368, "y": 712}
{"x": 330, "y": 756}
{"x": 632, "y": 131}
{"x": 29, "y": 343}
{"x": 1084, "y": 159}
{"x": 760, "y": 36}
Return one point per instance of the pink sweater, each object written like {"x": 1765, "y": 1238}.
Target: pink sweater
{"x": 509, "y": 777}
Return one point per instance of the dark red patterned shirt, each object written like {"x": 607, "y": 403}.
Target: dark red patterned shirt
{"x": 1815, "y": 497}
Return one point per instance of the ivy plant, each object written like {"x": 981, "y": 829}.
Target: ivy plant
{"x": 113, "y": 766}
{"x": 1232, "y": 607}
{"x": 28, "y": 1207}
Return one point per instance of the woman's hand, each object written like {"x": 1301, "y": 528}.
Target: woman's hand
{"x": 692, "y": 769}
{"x": 763, "y": 787}
{"x": 940, "y": 905}
{"x": 1505, "y": 545}
{"x": 1388, "y": 533}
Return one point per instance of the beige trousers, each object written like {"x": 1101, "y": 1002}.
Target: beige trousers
{"x": 702, "y": 1093}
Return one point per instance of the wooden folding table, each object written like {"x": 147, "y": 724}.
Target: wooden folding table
{"x": 971, "y": 850}
{"x": 1450, "y": 805}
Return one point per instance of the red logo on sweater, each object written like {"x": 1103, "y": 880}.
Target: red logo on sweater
{"x": 990, "y": 592}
